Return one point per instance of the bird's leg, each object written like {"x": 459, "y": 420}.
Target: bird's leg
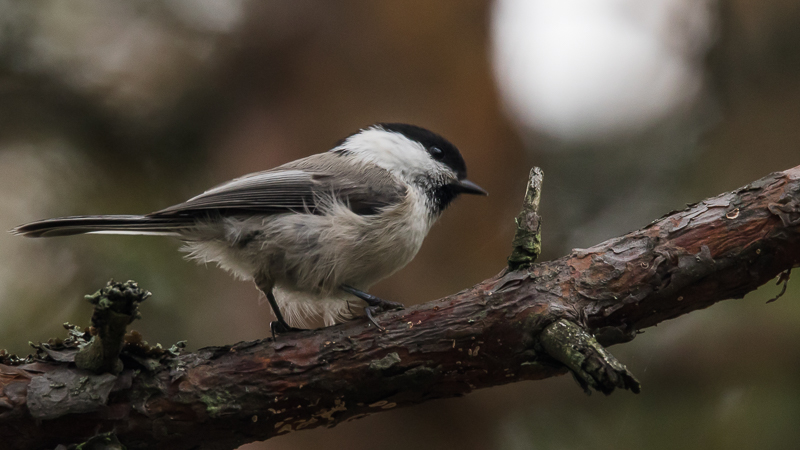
{"x": 278, "y": 326}
{"x": 376, "y": 304}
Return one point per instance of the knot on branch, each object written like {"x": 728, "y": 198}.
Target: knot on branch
{"x": 115, "y": 306}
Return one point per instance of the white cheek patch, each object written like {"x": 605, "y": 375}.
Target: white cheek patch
{"x": 393, "y": 152}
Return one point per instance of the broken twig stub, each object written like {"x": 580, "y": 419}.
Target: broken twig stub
{"x": 591, "y": 364}
{"x": 527, "y": 243}
{"x": 115, "y": 307}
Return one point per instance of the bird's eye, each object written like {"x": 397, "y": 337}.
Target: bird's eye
{"x": 436, "y": 152}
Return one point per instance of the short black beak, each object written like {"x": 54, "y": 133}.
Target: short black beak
{"x": 468, "y": 187}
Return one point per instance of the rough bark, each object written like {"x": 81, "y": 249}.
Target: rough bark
{"x": 488, "y": 335}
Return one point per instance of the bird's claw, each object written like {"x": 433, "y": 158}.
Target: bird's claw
{"x": 376, "y": 304}
{"x": 278, "y": 327}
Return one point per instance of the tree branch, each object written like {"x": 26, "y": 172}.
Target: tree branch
{"x": 488, "y": 335}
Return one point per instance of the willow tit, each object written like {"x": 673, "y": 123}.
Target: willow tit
{"x": 316, "y": 233}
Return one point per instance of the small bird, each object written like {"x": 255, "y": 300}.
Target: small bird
{"x": 316, "y": 233}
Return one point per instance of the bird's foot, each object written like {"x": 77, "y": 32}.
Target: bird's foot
{"x": 376, "y": 304}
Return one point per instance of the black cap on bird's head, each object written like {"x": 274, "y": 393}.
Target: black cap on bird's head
{"x": 441, "y": 150}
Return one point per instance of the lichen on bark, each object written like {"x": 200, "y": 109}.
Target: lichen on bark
{"x": 115, "y": 307}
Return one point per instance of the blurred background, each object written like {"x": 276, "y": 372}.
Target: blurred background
{"x": 631, "y": 108}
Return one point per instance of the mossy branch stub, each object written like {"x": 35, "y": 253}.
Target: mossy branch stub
{"x": 527, "y": 243}
{"x": 115, "y": 307}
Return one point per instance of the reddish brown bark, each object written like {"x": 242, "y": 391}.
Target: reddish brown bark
{"x": 485, "y": 336}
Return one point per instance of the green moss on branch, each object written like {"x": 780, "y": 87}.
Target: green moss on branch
{"x": 591, "y": 364}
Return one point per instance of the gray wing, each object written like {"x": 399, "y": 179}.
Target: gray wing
{"x": 296, "y": 186}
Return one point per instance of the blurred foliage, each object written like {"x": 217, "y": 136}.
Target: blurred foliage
{"x": 128, "y": 107}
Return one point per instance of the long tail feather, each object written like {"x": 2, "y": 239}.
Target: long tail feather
{"x": 67, "y": 226}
